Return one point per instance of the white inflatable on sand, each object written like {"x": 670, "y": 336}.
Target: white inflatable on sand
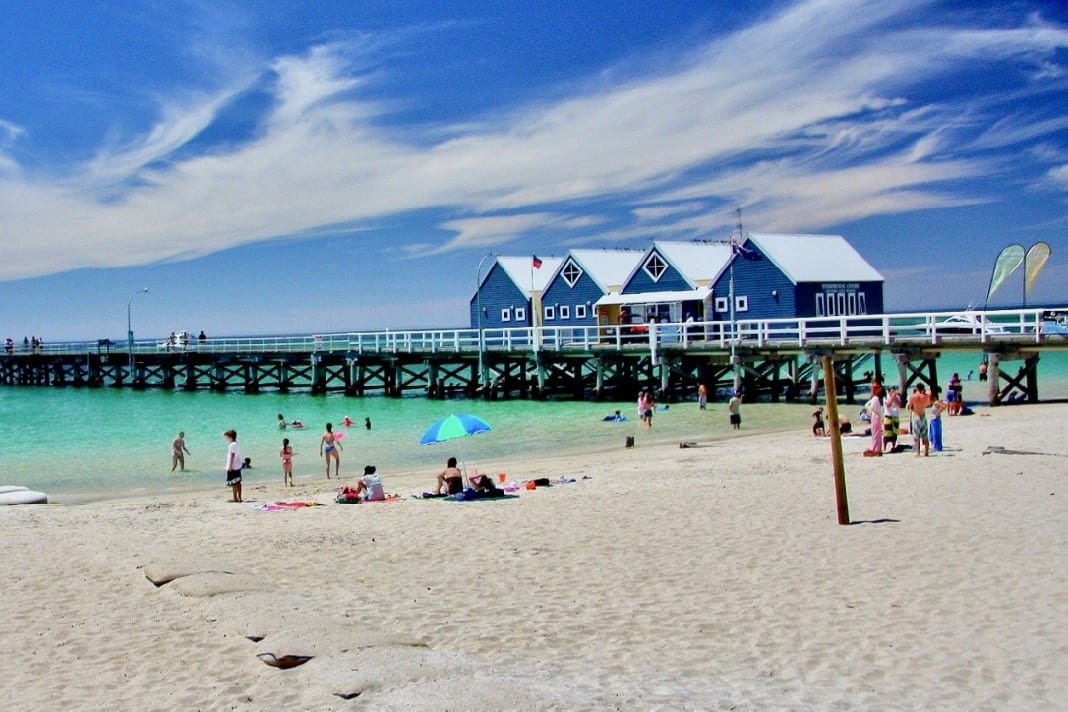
{"x": 16, "y": 494}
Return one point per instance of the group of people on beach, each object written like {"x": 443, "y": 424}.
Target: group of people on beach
{"x": 882, "y": 412}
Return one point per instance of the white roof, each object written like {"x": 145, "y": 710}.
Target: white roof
{"x": 522, "y": 272}
{"x": 608, "y": 268}
{"x": 686, "y": 295}
{"x": 815, "y": 258}
{"x": 696, "y": 261}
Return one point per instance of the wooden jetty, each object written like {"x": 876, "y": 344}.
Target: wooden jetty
{"x": 764, "y": 360}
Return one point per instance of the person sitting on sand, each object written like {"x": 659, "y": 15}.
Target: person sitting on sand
{"x": 450, "y": 478}
{"x": 483, "y": 483}
{"x": 370, "y": 485}
{"x": 818, "y": 427}
{"x": 844, "y": 426}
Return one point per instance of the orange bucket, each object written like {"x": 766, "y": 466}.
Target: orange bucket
{"x": 503, "y": 477}
{"x": 531, "y": 485}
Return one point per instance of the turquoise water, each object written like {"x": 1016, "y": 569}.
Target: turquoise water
{"x": 80, "y": 444}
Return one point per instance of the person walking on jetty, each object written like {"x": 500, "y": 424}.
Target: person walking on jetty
{"x": 179, "y": 451}
{"x": 330, "y": 448}
{"x": 233, "y": 465}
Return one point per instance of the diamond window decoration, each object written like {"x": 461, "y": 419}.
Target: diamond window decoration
{"x": 655, "y": 267}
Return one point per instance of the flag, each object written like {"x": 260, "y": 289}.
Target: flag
{"x": 1037, "y": 257}
{"x": 1006, "y": 263}
{"x": 535, "y": 262}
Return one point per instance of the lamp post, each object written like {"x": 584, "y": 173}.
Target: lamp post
{"x": 129, "y": 329}
{"x": 478, "y": 314}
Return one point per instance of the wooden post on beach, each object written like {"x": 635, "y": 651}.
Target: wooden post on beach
{"x": 836, "y": 441}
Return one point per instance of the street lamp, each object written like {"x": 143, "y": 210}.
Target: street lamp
{"x": 478, "y": 314}
{"x": 129, "y": 329}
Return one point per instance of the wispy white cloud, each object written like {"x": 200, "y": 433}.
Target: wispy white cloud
{"x": 1060, "y": 175}
{"x": 804, "y": 117}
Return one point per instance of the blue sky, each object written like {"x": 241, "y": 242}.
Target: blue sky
{"x": 277, "y": 166}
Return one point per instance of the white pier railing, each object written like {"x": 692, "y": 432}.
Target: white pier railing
{"x": 1009, "y": 325}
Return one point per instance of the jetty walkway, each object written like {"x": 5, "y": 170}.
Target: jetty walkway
{"x": 764, "y": 359}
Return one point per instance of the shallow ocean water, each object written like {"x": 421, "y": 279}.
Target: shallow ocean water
{"x": 80, "y": 444}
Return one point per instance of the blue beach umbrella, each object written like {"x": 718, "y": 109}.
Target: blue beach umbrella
{"x": 453, "y": 427}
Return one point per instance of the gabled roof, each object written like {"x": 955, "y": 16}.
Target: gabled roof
{"x": 608, "y": 269}
{"x": 815, "y": 258}
{"x": 695, "y": 261}
{"x": 522, "y": 273}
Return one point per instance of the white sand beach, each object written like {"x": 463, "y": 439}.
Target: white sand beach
{"x": 712, "y": 577}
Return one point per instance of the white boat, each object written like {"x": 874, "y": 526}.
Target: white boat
{"x": 968, "y": 322}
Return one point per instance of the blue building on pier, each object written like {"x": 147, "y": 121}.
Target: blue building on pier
{"x": 769, "y": 276}
{"x": 780, "y": 276}
{"x": 507, "y": 292}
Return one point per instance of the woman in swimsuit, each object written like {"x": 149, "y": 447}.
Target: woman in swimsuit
{"x": 450, "y": 478}
{"x": 287, "y": 462}
{"x": 329, "y": 447}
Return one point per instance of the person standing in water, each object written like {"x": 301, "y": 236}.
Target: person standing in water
{"x": 330, "y": 448}
{"x": 287, "y": 462}
{"x": 179, "y": 451}
{"x": 233, "y": 465}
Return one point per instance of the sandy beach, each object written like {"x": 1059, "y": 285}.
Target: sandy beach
{"x": 710, "y": 577}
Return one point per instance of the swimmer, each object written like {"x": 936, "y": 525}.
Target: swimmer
{"x": 281, "y": 422}
{"x": 347, "y": 421}
{"x": 616, "y": 417}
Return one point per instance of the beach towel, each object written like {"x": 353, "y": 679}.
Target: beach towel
{"x": 285, "y": 506}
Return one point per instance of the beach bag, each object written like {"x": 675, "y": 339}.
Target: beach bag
{"x": 347, "y": 495}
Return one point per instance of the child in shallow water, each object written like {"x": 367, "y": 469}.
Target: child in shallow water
{"x": 286, "y": 453}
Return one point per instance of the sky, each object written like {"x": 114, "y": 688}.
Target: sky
{"x": 277, "y": 166}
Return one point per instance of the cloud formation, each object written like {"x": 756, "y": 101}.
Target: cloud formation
{"x": 810, "y": 117}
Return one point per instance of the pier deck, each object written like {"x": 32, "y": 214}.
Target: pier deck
{"x": 769, "y": 359}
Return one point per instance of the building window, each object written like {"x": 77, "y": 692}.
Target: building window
{"x": 655, "y": 267}
{"x": 842, "y": 304}
{"x": 831, "y": 311}
{"x": 723, "y": 304}
{"x": 550, "y": 313}
{"x": 862, "y": 303}
{"x": 741, "y": 304}
{"x": 506, "y": 314}
{"x": 571, "y": 273}
{"x": 852, "y": 302}
{"x": 821, "y": 310}
{"x": 521, "y": 314}
{"x": 580, "y": 311}
{"x": 565, "y": 312}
